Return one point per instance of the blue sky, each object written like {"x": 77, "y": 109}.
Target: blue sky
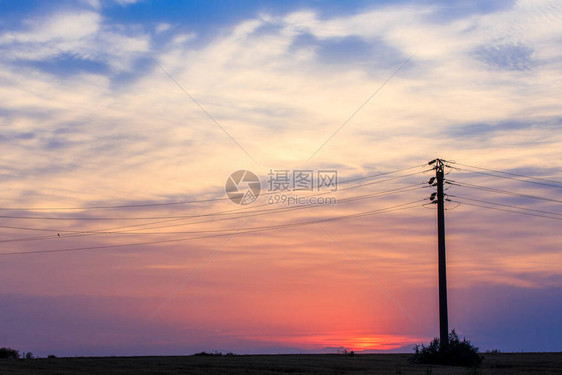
{"x": 97, "y": 110}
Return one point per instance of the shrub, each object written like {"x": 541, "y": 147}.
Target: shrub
{"x": 205, "y": 354}
{"x": 51, "y": 356}
{"x": 28, "y": 355}
{"x": 457, "y": 353}
{"x": 9, "y": 353}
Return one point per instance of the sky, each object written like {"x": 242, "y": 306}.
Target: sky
{"x": 122, "y": 120}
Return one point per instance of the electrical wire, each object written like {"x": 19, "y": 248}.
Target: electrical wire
{"x": 267, "y": 228}
{"x": 143, "y": 205}
{"x": 507, "y": 173}
{"x": 522, "y": 209}
{"x": 518, "y": 177}
{"x": 511, "y": 211}
{"x": 252, "y": 211}
{"x": 500, "y": 191}
{"x": 191, "y": 216}
{"x": 96, "y": 232}
{"x": 246, "y": 215}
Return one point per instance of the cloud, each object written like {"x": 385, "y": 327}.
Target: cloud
{"x": 162, "y": 27}
{"x": 510, "y": 57}
{"x": 126, "y": 2}
{"x": 79, "y": 35}
{"x": 61, "y": 27}
{"x": 272, "y": 83}
{"x": 88, "y": 119}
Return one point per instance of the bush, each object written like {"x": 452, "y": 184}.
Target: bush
{"x": 205, "y": 354}
{"x": 9, "y": 353}
{"x": 29, "y": 355}
{"x": 51, "y": 356}
{"x": 457, "y": 353}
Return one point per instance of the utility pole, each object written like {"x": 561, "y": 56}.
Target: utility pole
{"x": 443, "y": 314}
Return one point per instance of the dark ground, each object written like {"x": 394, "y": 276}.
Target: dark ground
{"x": 501, "y": 363}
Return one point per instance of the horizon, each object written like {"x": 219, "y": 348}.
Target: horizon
{"x": 126, "y": 229}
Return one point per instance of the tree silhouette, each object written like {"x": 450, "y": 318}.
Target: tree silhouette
{"x": 9, "y": 353}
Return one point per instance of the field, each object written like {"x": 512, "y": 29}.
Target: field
{"x": 501, "y": 363}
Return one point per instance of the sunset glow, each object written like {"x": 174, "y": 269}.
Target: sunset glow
{"x": 122, "y": 122}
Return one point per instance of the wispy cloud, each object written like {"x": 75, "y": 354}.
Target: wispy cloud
{"x": 87, "y": 118}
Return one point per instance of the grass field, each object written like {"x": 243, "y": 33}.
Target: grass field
{"x": 501, "y": 363}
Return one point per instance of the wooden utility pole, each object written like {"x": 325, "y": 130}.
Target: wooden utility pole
{"x": 443, "y": 314}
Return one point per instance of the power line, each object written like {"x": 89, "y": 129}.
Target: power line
{"x": 290, "y": 225}
{"x": 507, "y": 173}
{"x": 203, "y": 109}
{"x": 81, "y": 233}
{"x": 500, "y": 191}
{"x": 361, "y": 106}
{"x": 108, "y": 207}
{"x": 383, "y": 173}
{"x": 337, "y": 218}
{"x": 511, "y": 211}
{"x": 510, "y": 177}
{"x": 75, "y": 233}
{"x": 194, "y": 201}
{"x": 522, "y": 210}
{"x": 112, "y": 218}
{"x": 229, "y": 212}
